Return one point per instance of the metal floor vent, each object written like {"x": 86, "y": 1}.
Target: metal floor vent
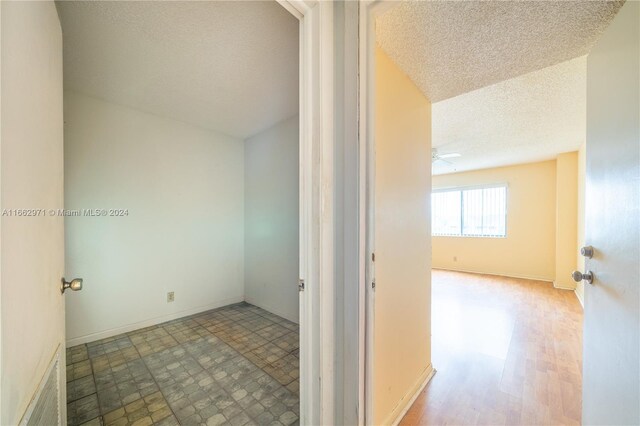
{"x": 44, "y": 407}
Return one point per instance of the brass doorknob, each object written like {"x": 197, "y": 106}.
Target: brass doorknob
{"x": 75, "y": 285}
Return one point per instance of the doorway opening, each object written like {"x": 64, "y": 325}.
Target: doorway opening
{"x": 182, "y": 159}
{"x": 505, "y": 129}
{"x": 33, "y": 182}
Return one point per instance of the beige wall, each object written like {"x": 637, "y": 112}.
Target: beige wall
{"x": 542, "y": 222}
{"x": 32, "y": 309}
{"x": 402, "y": 318}
{"x": 529, "y": 249}
{"x": 582, "y": 163}
{"x": 271, "y": 219}
{"x": 184, "y": 190}
{"x": 566, "y": 219}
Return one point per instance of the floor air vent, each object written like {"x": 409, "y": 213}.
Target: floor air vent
{"x": 44, "y": 408}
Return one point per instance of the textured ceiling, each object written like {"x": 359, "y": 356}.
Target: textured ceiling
{"x": 530, "y": 118}
{"x": 448, "y": 48}
{"x": 226, "y": 66}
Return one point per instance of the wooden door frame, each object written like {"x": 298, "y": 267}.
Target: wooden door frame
{"x": 316, "y": 209}
{"x": 366, "y": 95}
{"x": 369, "y": 9}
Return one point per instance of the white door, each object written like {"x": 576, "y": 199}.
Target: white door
{"x": 32, "y": 250}
{"x": 611, "y": 379}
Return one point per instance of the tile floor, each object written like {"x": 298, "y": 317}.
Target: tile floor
{"x": 234, "y": 365}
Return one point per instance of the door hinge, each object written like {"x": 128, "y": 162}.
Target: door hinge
{"x": 373, "y": 257}
{"x": 300, "y": 284}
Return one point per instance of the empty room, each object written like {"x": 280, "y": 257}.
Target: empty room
{"x": 181, "y": 203}
{"x": 503, "y": 102}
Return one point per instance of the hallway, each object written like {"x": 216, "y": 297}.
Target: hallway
{"x": 506, "y": 351}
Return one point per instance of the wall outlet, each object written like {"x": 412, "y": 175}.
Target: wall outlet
{"x": 170, "y": 297}
{"x": 455, "y": 258}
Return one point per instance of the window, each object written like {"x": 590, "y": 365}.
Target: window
{"x": 473, "y": 212}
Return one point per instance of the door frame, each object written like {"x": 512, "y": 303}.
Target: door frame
{"x": 369, "y": 11}
{"x": 366, "y": 104}
{"x": 316, "y": 183}
{"x": 316, "y": 210}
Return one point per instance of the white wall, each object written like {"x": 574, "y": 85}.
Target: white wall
{"x": 32, "y": 309}
{"x": 184, "y": 189}
{"x": 271, "y": 219}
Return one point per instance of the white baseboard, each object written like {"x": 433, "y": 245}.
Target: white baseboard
{"x": 407, "y": 401}
{"x": 562, "y": 287}
{"x": 580, "y": 299}
{"x": 522, "y": 277}
{"x": 273, "y": 311}
{"x": 152, "y": 321}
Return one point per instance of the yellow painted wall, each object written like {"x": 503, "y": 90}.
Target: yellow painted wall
{"x": 543, "y": 222}
{"x": 402, "y": 314}
{"x": 529, "y": 248}
{"x": 566, "y": 219}
{"x": 582, "y": 164}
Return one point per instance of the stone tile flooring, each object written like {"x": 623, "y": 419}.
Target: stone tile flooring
{"x": 236, "y": 365}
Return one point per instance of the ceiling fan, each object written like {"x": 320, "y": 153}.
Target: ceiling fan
{"x": 442, "y": 157}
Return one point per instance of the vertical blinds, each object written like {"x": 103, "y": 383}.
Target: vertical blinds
{"x": 477, "y": 212}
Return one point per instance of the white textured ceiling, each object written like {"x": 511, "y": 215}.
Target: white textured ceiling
{"x": 507, "y": 78}
{"x": 533, "y": 117}
{"x": 229, "y": 66}
{"x": 452, "y": 47}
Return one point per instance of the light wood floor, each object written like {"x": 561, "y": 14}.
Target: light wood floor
{"x": 507, "y": 352}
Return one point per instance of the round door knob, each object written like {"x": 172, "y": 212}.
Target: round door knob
{"x": 75, "y": 285}
{"x": 579, "y": 276}
{"x": 587, "y": 251}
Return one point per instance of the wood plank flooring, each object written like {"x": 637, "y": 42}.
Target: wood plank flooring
{"x": 507, "y": 352}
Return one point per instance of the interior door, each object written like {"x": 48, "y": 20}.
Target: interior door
{"x": 32, "y": 231}
{"x": 611, "y": 378}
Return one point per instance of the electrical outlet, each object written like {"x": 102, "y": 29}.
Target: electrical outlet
{"x": 455, "y": 258}
{"x": 170, "y": 297}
